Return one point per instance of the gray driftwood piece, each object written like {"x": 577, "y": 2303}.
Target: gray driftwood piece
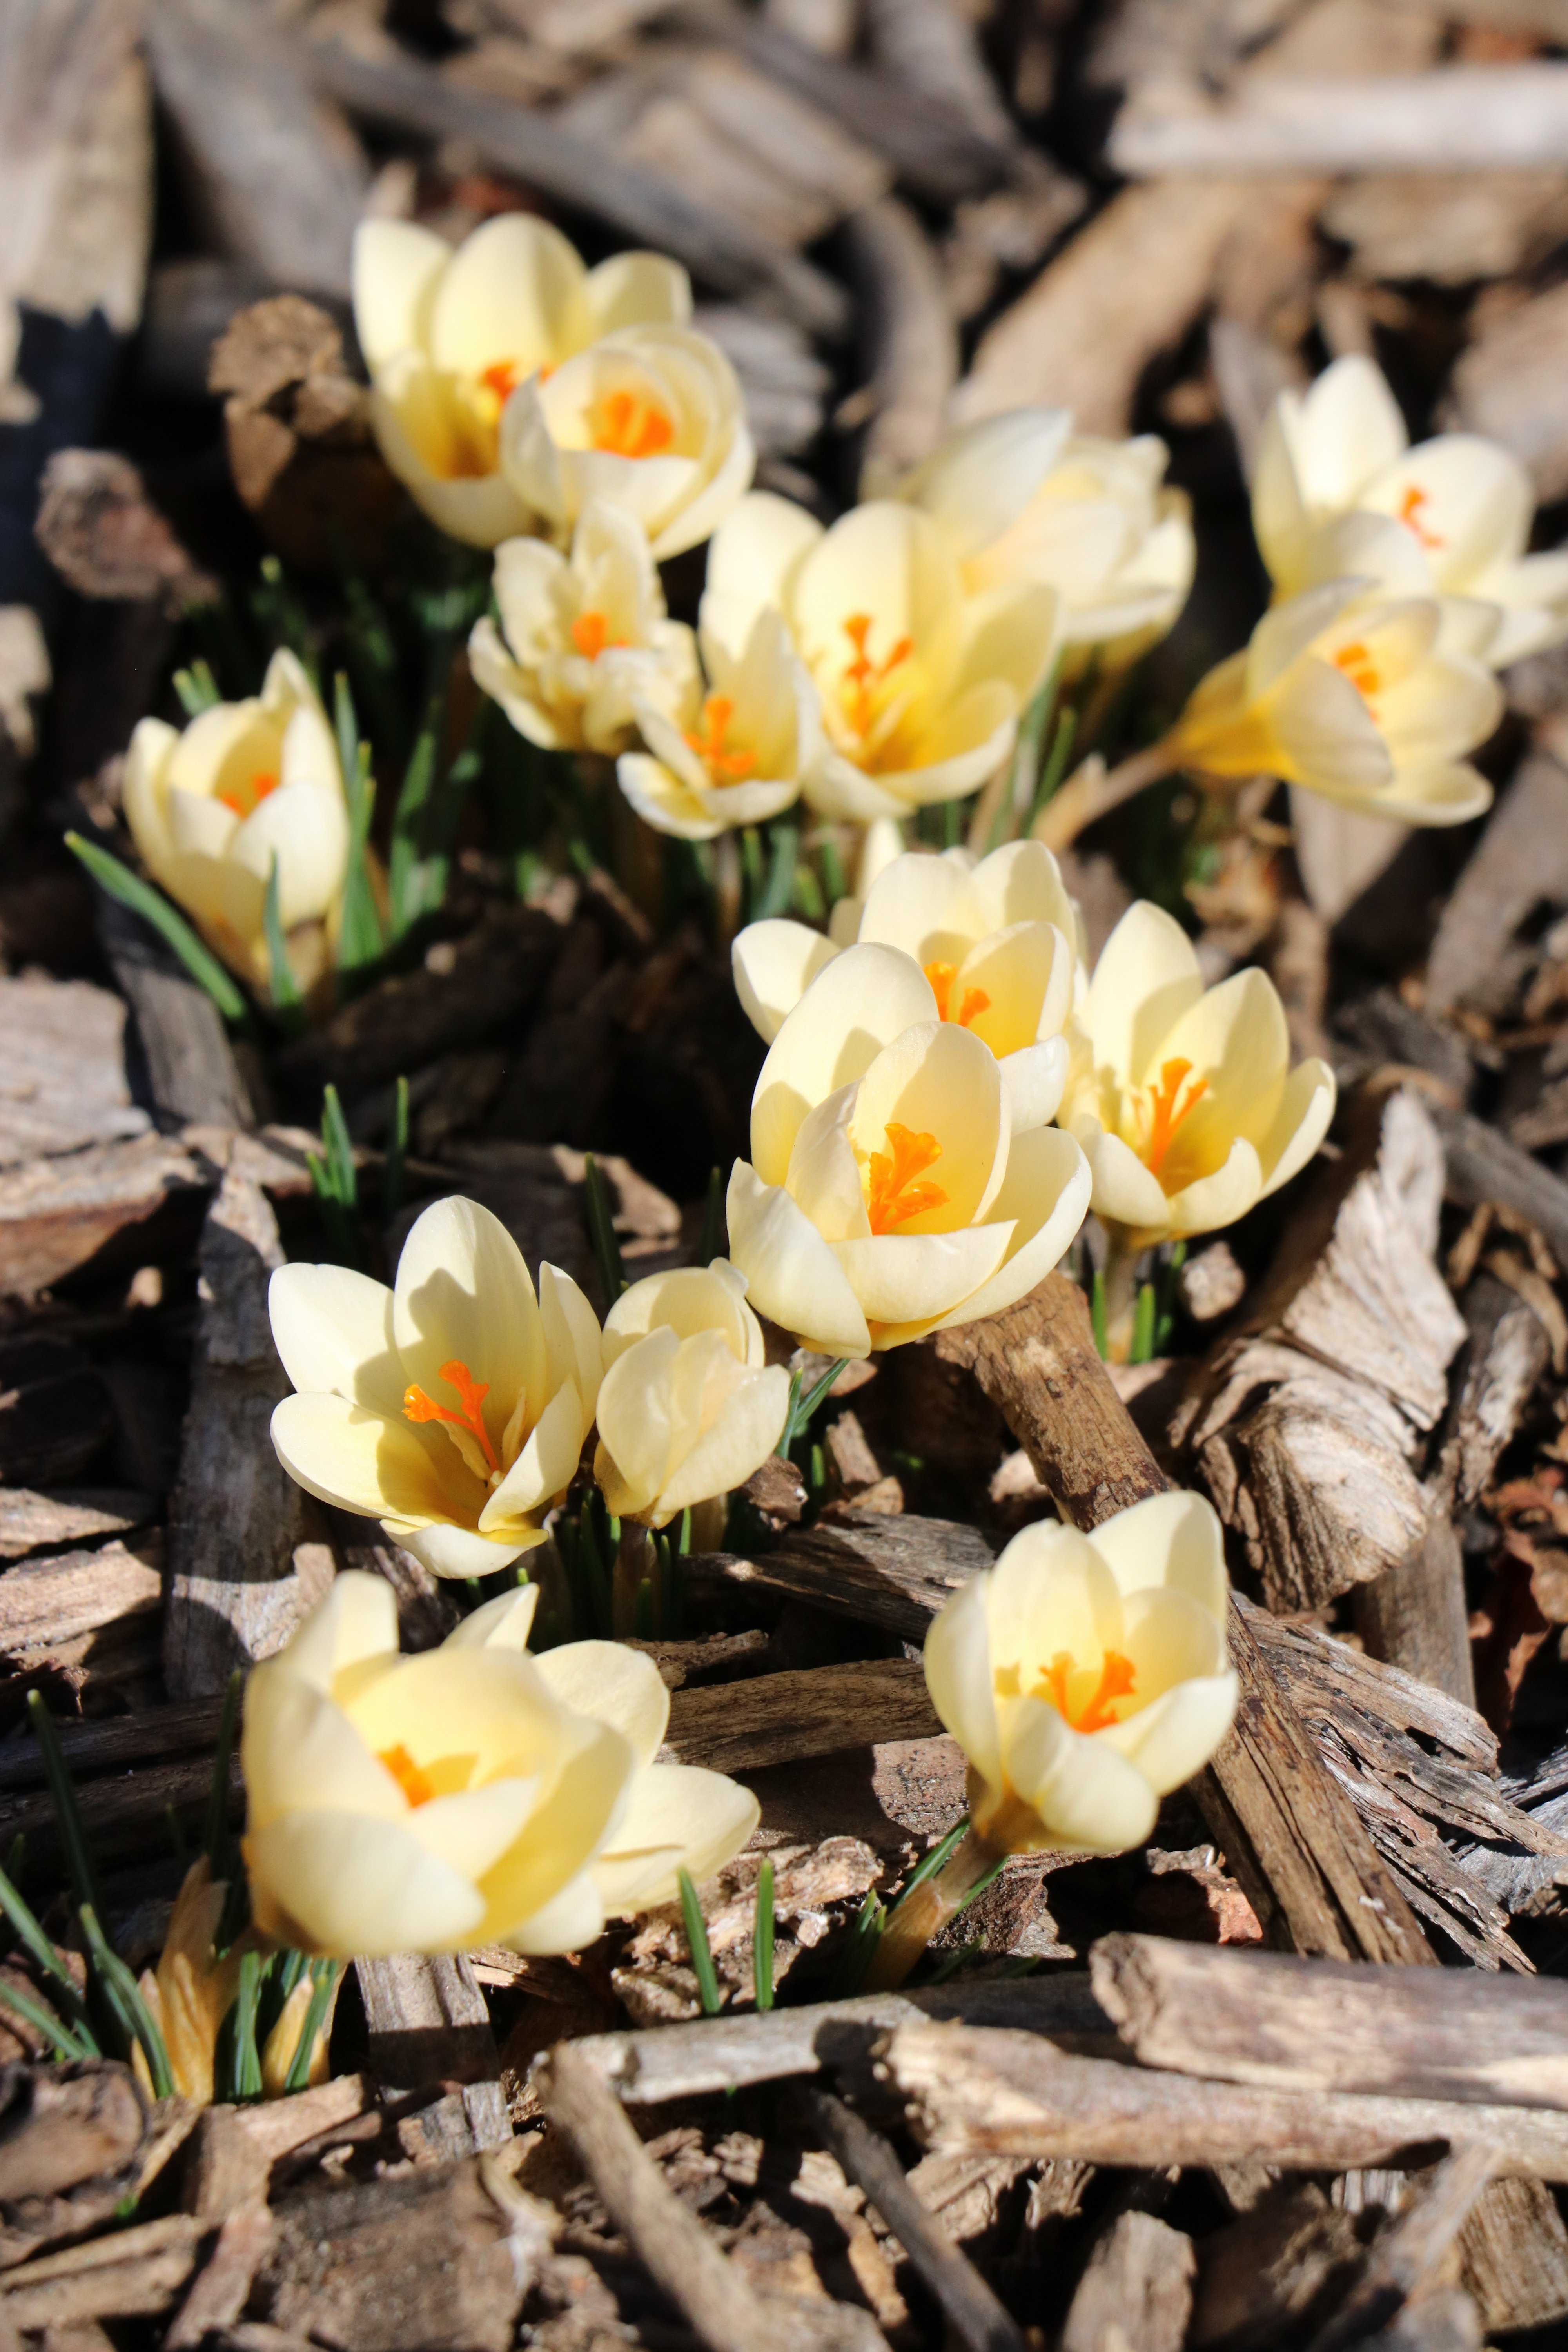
{"x": 279, "y": 175}
{"x": 1136, "y": 2289}
{"x": 429, "y": 2027}
{"x": 1522, "y": 861}
{"x": 1411, "y": 2249}
{"x": 889, "y": 1568}
{"x": 1485, "y": 1166}
{"x": 931, "y": 47}
{"x": 243, "y": 1567}
{"x": 810, "y": 1711}
{"x": 62, "y": 1046}
{"x": 637, "y": 202}
{"x": 911, "y": 341}
{"x": 186, "y": 1063}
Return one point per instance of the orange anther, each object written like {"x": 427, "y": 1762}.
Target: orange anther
{"x": 243, "y": 798}
{"x": 590, "y": 633}
{"x": 471, "y": 1394}
{"x": 1165, "y": 1117}
{"x": 863, "y": 676}
{"x": 893, "y": 1195}
{"x": 415, "y": 1785}
{"x": 725, "y": 767}
{"x": 502, "y": 377}
{"x": 1360, "y": 668}
{"x": 974, "y": 1000}
{"x": 1410, "y": 507}
{"x": 629, "y": 426}
{"x": 1116, "y": 1679}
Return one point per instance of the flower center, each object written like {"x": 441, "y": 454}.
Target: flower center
{"x": 1167, "y": 1110}
{"x": 415, "y": 1785}
{"x": 466, "y": 1423}
{"x": 502, "y": 377}
{"x": 629, "y": 426}
{"x": 974, "y": 1001}
{"x": 1117, "y": 1681}
{"x": 590, "y": 633}
{"x": 892, "y": 1194}
{"x": 862, "y": 677}
{"x": 724, "y": 766}
{"x": 1410, "y": 507}
{"x": 243, "y": 798}
{"x": 1360, "y": 668}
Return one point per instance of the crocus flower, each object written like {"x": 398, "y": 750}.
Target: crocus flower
{"x": 1020, "y": 497}
{"x": 677, "y": 1816}
{"x": 190, "y": 1992}
{"x": 995, "y": 938}
{"x": 1353, "y": 697}
{"x": 423, "y": 1804}
{"x": 453, "y": 1407}
{"x": 244, "y": 785}
{"x": 734, "y": 755}
{"x": 1184, "y": 1098}
{"x": 1339, "y": 491}
{"x": 583, "y": 638}
{"x": 922, "y": 683}
{"x": 689, "y": 1406}
{"x": 449, "y": 336}
{"x": 1087, "y": 1675}
{"x": 888, "y": 1194}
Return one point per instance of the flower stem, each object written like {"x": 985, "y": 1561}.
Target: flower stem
{"x": 1094, "y": 791}
{"x": 1120, "y": 1299}
{"x": 635, "y": 1559}
{"x": 927, "y": 1909}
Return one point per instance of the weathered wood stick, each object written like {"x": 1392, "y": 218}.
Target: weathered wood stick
{"x": 128, "y": 1810}
{"x": 984, "y": 2091}
{"x": 813, "y": 1711}
{"x": 974, "y": 2313}
{"x": 1270, "y": 2019}
{"x": 722, "y": 252}
{"x": 91, "y": 1747}
{"x": 429, "y": 2023}
{"x": 1483, "y": 1165}
{"x": 1290, "y": 1834}
{"x": 1410, "y": 2250}
{"x": 910, "y": 340}
{"x": 893, "y": 1569}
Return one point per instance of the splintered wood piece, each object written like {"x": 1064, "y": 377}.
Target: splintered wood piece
{"x": 1293, "y": 1839}
{"x": 1411, "y": 2248}
{"x": 62, "y": 1042}
{"x": 191, "y": 1072}
{"x": 57, "y": 1212}
{"x": 986, "y": 2091}
{"x": 1261, "y": 2277}
{"x": 278, "y": 2126}
{"x": 909, "y": 339}
{"x": 1521, "y": 862}
{"x": 1415, "y": 1615}
{"x": 49, "y": 1607}
{"x": 133, "y": 2273}
{"x": 128, "y": 1810}
{"x": 973, "y": 2311}
{"x": 57, "y": 2132}
{"x": 222, "y": 2288}
{"x": 1268, "y": 2018}
{"x": 892, "y": 1570}
{"x": 1483, "y": 1165}
{"x": 813, "y": 1711}
{"x": 91, "y": 1747}
{"x": 35, "y": 1522}
{"x": 1137, "y": 2288}
{"x": 1513, "y": 2255}
{"x": 429, "y": 2025}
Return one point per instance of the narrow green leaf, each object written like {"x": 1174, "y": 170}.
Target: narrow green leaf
{"x": 359, "y": 940}
{"x": 780, "y": 884}
{"x": 123, "y": 1995}
{"x": 216, "y": 1842}
{"x": 79, "y": 1866}
{"x": 246, "y": 2056}
{"x": 285, "y": 997}
{"x": 408, "y": 824}
{"x": 43, "y": 1955}
{"x": 197, "y": 689}
{"x": 702, "y": 1966}
{"x": 204, "y": 967}
{"x": 1056, "y": 765}
{"x": 643, "y": 1627}
{"x": 340, "y": 1150}
{"x": 833, "y": 886}
{"x": 801, "y": 1407}
{"x": 394, "y": 1171}
{"x": 752, "y": 866}
{"x": 602, "y": 1230}
{"x": 325, "y": 1976}
{"x": 65, "y": 2044}
{"x": 763, "y": 1939}
{"x": 860, "y": 1946}
{"x": 1143, "y": 1325}
{"x": 715, "y": 1238}
{"x": 952, "y": 1963}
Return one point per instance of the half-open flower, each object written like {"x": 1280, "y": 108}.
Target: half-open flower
{"x": 689, "y": 1406}
{"x": 453, "y": 1407}
{"x": 449, "y": 336}
{"x": 423, "y": 1804}
{"x": 1087, "y": 1675}
{"x": 583, "y": 638}
{"x": 649, "y": 419}
{"x": 1356, "y": 698}
{"x": 1184, "y": 1098}
{"x": 677, "y": 1816}
{"x": 1338, "y": 490}
{"x": 888, "y": 1194}
{"x": 1019, "y": 498}
{"x": 922, "y": 683}
{"x": 246, "y": 785}
{"x": 191, "y": 1991}
{"x": 732, "y": 755}
{"x": 997, "y": 940}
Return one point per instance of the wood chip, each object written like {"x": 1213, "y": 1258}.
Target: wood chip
{"x": 814, "y": 1711}
{"x": 62, "y": 1044}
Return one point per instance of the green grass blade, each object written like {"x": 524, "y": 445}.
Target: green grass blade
{"x": 780, "y": 885}
{"x": 80, "y": 1867}
{"x": 123, "y": 1995}
{"x": 325, "y": 1976}
{"x": 1056, "y": 765}
{"x": 172, "y": 927}
{"x": 197, "y": 689}
{"x": 246, "y": 2056}
{"x": 802, "y": 1406}
{"x": 42, "y": 1952}
{"x": 394, "y": 1172}
{"x": 406, "y": 878}
{"x": 338, "y": 1144}
{"x": 763, "y": 1939}
{"x": 65, "y": 2044}
{"x": 702, "y": 1966}
{"x": 860, "y": 1946}
{"x": 602, "y": 1230}
{"x": 1143, "y": 1325}
{"x": 286, "y": 997}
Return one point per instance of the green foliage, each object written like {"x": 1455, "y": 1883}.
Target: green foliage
{"x": 702, "y": 1966}
{"x": 601, "y": 1222}
{"x": 394, "y": 1172}
{"x": 360, "y": 944}
{"x": 763, "y": 1939}
{"x": 335, "y": 1180}
{"x": 197, "y": 689}
{"x": 204, "y": 967}
{"x": 287, "y": 1000}
{"x": 797, "y": 1419}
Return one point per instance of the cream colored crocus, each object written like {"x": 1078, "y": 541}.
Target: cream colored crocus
{"x": 651, "y": 419}
{"x": 243, "y": 787}
{"x": 888, "y": 1194}
{"x": 733, "y": 753}
{"x": 690, "y": 1405}
{"x": 1339, "y": 490}
{"x": 449, "y": 336}
{"x": 193, "y": 1987}
{"x": 584, "y": 638}
{"x": 1353, "y": 697}
{"x": 429, "y": 1803}
{"x": 1020, "y": 497}
{"x": 922, "y": 683}
{"x": 1183, "y": 1097}
{"x": 677, "y": 1816}
{"x": 453, "y": 1407}
{"x": 995, "y": 938}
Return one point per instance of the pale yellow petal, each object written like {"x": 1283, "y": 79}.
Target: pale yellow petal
{"x": 1176, "y": 1737}
{"x": 857, "y": 1004}
{"x": 332, "y": 1330}
{"x": 1216, "y": 1201}
{"x": 396, "y": 267}
{"x": 512, "y": 294}
{"x": 1146, "y": 977}
{"x": 637, "y": 289}
{"x": 1084, "y": 1796}
{"x": 774, "y": 964}
{"x": 1045, "y": 1195}
{"x": 462, "y": 1294}
{"x": 937, "y": 1079}
{"x": 958, "y": 1671}
{"x": 748, "y": 1428}
{"x": 1173, "y": 1539}
{"x": 565, "y": 1834}
{"x": 792, "y": 1274}
{"x": 679, "y": 1816}
{"x": 339, "y": 1884}
{"x": 343, "y": 1454}
{"x": 1300, "y": 1124}
{"x": 613, "y": 1684}
{"x": 915, "y": 1279}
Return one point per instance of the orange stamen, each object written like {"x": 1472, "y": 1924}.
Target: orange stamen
{"x": 893, "y": 1196}
{"x": 471, "y": 1394}
{"x": 415, "y": 1785}
{"x": 974, "y": 1000}
{"x": 502, "y": 377}
{"x": 1116, "y": 1679}
{"x": 863, "y": 676}
{"x": 1164, "y": 1117}
{"x": 1358, "y": 668}
{"x": 724, "y": 766}
{"x": 243, "y": 798}
{"x": 632, "y": 428}
{"x": 590, "y": 633}
{"x": 1410, "y": 508}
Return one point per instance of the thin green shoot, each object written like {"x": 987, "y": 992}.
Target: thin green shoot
{"x": 752, "y": 865}
{"x": 763, "y": 1939}
{"x": 702, "y": 1966}
{"x": 246, "y": 2055}
{"x": 715, "y": 1236}
{"x": 1143, "y": 1321}
{"x": 405, "y": 873}
{"x": 860, "y": 1946}
{"x": 197, "y": 689}
{"x": 324, "y": 1978}
{"x": 778, "y": 888}
{"x": 1166, "y": 1320}
{"x": 112, "y": 875}
{"x": 806, "y": 897}
{"x": 335, "y": 1179}
{"x": 42, "y": 1952}
{"x": 602, "y": 1230}
{"x": 122, "y": 1997}
{"x": 66, "y": 2046}
{"x": 833, "y": 886}
{"x": 80, "y": 1868}
{"x": 952, "y": 1964}
{"x": 287, "y": 999}
{"x": 802, "y": 1406}
{"x": 1056, "y": 766}
{"x": 394, "y": 1171}
{"x": 360, "y": 940}
{"x": 1025, "y": 771}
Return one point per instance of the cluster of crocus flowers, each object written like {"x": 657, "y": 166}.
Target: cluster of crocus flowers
{"x": 247, "y": 789}
{"x": 468, "y": 1795}
{"x": 735, "y": 747}
{"x": 889, "y": 1192}
{"x": 511, "y": 387}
